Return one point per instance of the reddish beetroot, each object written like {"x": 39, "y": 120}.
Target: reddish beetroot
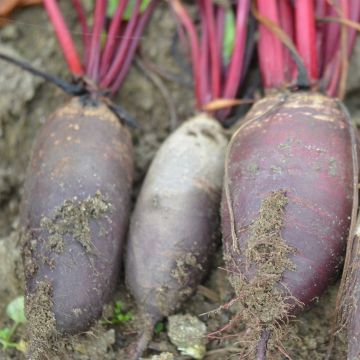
{"x": 289, "y": 181}
{"x": 297, "y": 146}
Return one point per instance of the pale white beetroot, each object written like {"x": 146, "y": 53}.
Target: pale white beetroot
{"x": 174, "y": 228}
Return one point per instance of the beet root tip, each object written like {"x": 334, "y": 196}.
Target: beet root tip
{"x": 261, "y": 347}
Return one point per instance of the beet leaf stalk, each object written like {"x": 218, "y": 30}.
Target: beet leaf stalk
{"x": 77, "y": 193}
{"x": 217, "y": 78}
{"x": 284, "y": 237}
{"x": 166, "y": 260}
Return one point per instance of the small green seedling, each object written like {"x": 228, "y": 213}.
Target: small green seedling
{"x": 15, "y": 311}
{"x": 119, "y": 316}
{"x": 159, "y": 327}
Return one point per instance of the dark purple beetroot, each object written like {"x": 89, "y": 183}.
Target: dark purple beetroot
{"x": 287, "y": 204}
{"x": 75, "y": 215}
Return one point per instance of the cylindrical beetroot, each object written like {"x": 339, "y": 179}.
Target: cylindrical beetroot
{"x": 174, "y": 227}
{"x": 75, "y": 213}
{"x": 174, "y": 224}
{"x": 287, "y": 203}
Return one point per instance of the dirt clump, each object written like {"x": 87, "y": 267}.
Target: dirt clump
{"x": 73, "y": 218}
{"x": 260, "y": 301}
{"x": 41, "y": 322}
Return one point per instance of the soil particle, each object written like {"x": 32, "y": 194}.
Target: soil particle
{"x": 260, "y": 302}
{"x": 163, "y": 356}
{"x": 187, "y": 333}
{"x": 184, "y": 266}
{"x": 12, "y": 80}
{"x": 28, "y": 246}
{"x": 41, "y": 322}
{"x": 96, "y": 345}
{"x": 73, "y": 218}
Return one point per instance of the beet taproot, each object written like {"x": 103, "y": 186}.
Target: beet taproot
{"x": 77, "y": 194}
{"x": 175, "y": 225}
{"x": 287, "y": 204}
{"x": 75, "y": 211}
{"x": 290, "y": 185}
{"x": 353, "y": 302}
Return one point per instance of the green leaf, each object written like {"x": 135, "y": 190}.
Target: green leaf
{"x": 159, "y": 327}
{"x": 119, "y": 316}
{"x": 229, "y": 35}
{"x": 118, "y": 307}
{"x": 113, "y": 4}
{"x": 5, "y": 334}
{"x": 15, "y": 310}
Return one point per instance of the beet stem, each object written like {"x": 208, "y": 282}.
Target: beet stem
{"x": 120, "y": 56}
{"x": 188, "y": 24}
{"x": 204, "y": 62}
{"x": 92, "y": 70}
{"x": 332, "y": 37}
{"x": 306, "y": 35}
{"x": 220, "y": 24}
{"x": 287, "y": 23}
{"x": 270, "y": 48}
{"x": 261, "y": 347}
{"x": 236, "y": 66}
{"x": 214, "y": 51}
{"x": 111, "y": 39}
{"x": 141, "y": 23}
{"x": 64, "y": 37}
{"x": 84, "y": 28}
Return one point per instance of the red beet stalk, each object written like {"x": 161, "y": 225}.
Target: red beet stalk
{"x": 215, "y": 80}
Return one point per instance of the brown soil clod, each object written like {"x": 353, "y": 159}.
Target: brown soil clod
{"x": 73, "y": 218}
{"x": 184, "y": 266}
{"x": 41, "y": 322}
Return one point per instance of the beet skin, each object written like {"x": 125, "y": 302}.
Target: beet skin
{"x": 75, "y": 213}
{"x": 288, "y": 188}
{"x": 174, "y": 227}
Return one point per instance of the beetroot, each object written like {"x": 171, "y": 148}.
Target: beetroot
{"x": 77, "y": 192}
{"x": 75, "y": 211}
{"x": 287, "y": 203}
{"x": 289, "y": 179}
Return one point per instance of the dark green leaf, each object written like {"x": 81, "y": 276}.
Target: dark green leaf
{"x": 159, "y": 327}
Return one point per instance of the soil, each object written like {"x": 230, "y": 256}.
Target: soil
{"x": 25, "y": 102}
